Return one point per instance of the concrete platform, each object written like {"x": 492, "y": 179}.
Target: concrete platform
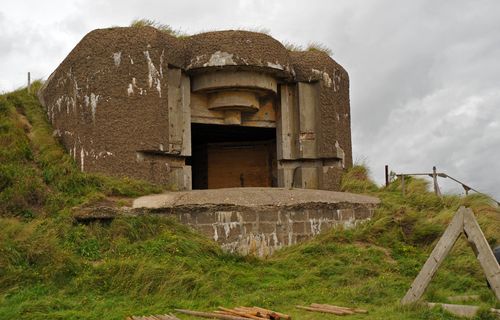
{"x": 255, "y": 221}
{"x": 259, "y": 221}
{"x": 251, "y": 197}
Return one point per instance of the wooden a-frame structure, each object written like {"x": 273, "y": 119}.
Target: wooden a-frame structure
{"x": 465, "y": 222}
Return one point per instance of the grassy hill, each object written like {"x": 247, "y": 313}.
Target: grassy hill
{"x": 54, "y": 268}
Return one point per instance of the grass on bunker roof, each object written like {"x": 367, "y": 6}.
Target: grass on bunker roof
{"x": 51, "y": 267}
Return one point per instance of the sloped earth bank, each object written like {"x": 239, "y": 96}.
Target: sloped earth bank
{"x": 54, "y": 268}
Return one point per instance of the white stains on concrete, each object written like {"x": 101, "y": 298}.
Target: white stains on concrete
{"x": 86, "y": 100}
{"x": 275, "y": 65}
{"x": 117, "y": 58}
{"x": 158, "y": 88}
{"x": 58, "y": 103}
{"x": 224, "y": 220}
{"x": 316, "y": 225}
{"x": 216, "y": 234}
{"x": 219, "y": 59}
{"x": 246, "y": 234}
{"x": 93, "y": 104}
{"x": 161, "y": 63}
{"x": 132, "y": 87}
{"x": 336, "y": 80}
{"x": 103, "y": 154}
{"x": 131, "y": 60}
{"x": 324, "y": 76}
{"x": 82, "y": 159}
{"x": 153, "y": 74}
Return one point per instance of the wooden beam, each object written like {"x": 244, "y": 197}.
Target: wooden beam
{"x": 483, "y": 252}
{"x": 436, "y": 185}
{"x": 437, "y": 256}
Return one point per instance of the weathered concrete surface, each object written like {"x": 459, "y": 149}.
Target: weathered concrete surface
{"x": 122, "y": 103}
{"x": 259, "y": 221}
{"x": 250, "y": 197}
{"x": 466, "y": 311}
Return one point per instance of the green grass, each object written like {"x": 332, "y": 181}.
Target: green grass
{"x": 37, "y": 177}
{"x": 51, "y": 267}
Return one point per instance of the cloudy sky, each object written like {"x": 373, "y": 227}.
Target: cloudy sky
{"x": 425, "y": 75}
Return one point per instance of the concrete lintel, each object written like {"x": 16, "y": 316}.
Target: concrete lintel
{"x": 220, "y": 80}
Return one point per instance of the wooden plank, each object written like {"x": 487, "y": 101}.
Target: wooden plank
{"x": 437, "y": 256}
{"x": 483, "y": 251}
{"x": 325, "y": 310}
{"x": 239, "y": 313}
{"x": 211, "y": 315}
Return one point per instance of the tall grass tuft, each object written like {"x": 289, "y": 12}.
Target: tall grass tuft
{"x": 139, "y": 23}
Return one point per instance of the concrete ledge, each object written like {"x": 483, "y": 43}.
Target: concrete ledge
{"x": 251, "y": 197}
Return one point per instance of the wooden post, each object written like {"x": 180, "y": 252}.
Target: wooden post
{"x": 403, "y": 184}
{"x": 29, "y": 82}
{"x": 436, "y": 186}
{"x": 466, "y": 188}
{"x": 482, "y": 250}
{"x": 437, "y": 256}
{"x": 465, "y": 222}
{"x": 386, "y": 175}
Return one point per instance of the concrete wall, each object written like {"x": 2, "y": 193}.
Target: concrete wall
{"x": 262, "y": 230}
{"x": 122, "y": 103}
{"x": 109, "y": 103}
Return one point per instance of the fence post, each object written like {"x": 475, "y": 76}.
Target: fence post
{"x": 436, "y": 186}
{"x": 386, "y": 175}
{"x": 29, "y": 82}
{"x": 403, "y": 184}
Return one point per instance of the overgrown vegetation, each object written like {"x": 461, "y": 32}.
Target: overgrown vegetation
{"x": 37, "y": 176}
{"x": 317, "y": 46}
{"x": 312, "y": 46}
{"x": 139, "y": 23}
{"x": 51, "y": 267}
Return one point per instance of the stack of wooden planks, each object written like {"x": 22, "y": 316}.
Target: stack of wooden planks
{"x": 155, "y": 317}
{"x": 326, "y": 308}
{"x": 239, "y": 313}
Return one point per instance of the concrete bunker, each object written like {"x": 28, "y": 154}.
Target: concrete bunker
{"x": 214, "y": 110}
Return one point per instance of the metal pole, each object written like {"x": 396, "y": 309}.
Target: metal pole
{"x": 29, "y": 82}
{"x": 386, "y": 175}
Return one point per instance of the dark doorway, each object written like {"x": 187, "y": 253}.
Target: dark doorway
{"x": 232, "y": 156}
